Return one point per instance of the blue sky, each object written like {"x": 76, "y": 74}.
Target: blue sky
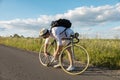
{"x": 90, "y": 18}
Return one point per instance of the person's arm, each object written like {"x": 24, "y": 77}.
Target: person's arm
{"x": 45, "y": 46}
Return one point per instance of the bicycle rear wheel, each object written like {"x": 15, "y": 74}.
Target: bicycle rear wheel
{"x": 45, "y": 60}
{"x": 80, "y": 59}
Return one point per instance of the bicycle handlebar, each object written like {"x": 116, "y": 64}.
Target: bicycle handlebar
{"x": 77, "y": 40}
{"x": 74, "y": 36}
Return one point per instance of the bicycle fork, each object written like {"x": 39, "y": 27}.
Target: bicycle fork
{"x": 72, "y": 50}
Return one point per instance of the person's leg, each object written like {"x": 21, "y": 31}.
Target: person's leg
{"x": 69, "y": 52}
{"x": 71, "y": 66}
{"x": 57, "y": 52}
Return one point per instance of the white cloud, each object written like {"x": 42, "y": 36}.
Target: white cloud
{"x": 81, "y": 16}
{"x": 91, "y": 16}
{"x": 116, "y": 28}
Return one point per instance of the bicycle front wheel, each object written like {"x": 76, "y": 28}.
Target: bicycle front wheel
{"x": 80, "y": 58}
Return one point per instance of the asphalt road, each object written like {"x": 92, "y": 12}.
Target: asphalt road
{"x": 17, "y": 64}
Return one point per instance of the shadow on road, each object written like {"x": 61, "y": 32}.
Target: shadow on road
{"x": 102, "y": 72}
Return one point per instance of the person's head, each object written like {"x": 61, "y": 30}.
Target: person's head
{"x": 44, "y": 33}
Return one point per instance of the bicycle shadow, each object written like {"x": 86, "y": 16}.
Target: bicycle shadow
{"x": 95, "y": 71}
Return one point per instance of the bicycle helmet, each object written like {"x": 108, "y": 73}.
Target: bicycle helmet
{"x": 43, "y": 32}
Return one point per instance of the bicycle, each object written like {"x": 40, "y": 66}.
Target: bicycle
{"x": 79, "y": 54}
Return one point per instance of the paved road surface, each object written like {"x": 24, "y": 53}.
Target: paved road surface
{"x": 16, "y": 64}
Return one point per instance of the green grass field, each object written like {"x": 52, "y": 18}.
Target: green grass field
{"x": 103, "y": 52}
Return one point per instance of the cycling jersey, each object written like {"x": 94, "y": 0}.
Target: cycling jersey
{"x": 58, "y": 33}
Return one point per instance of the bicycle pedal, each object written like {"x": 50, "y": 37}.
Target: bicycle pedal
{"x": 49, "y": 64}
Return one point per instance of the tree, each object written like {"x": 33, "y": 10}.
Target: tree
{"x": 16, "y": 36}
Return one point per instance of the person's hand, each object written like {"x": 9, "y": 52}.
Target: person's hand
{"x": 46, "y": 54}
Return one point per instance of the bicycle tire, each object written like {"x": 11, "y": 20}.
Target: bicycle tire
{"x": 81, "y": 60}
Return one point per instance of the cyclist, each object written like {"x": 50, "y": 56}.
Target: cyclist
{"x": 58, "y": 33}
